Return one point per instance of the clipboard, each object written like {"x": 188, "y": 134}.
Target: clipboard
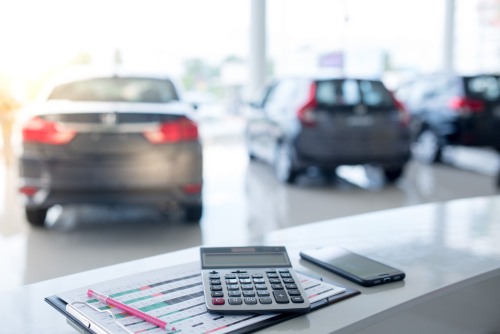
{"x": 60, "y": 305}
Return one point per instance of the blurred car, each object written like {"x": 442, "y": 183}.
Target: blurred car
{"x": 114, "y": 137}
{"x": 206, "y": 104}
{"x": 452, "y": 110}
{"x": 327, "y": 122}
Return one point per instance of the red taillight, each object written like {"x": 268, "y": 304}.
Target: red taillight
{"x": 404, "y": 115}
{"x": 182, "y": 129}
{"x": 465, "y": 105}
{"x": 192, "y": 188}
{"x": 306, "y": 112}
{"x": 29, "y": 191}
{"x": 38, "y": 130}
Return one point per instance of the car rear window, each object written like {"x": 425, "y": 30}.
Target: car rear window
{"x": 485, "y": 87}
{"x": 117, "y": 90}
{"x": 349, "y": 92}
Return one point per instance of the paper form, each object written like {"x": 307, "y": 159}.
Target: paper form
{"x": 175, "y": 298}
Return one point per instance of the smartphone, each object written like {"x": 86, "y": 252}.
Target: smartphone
{"x": 354, "y": 267}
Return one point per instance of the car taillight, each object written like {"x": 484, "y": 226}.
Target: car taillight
{"x": 29, "y": 191}
{"x": 404, "y": 115}
{"x": 182, "y": 129}
{"x": 465, "y": 105}
{"x": 305, "y": 113}
{"x": 38, "y": 130}
{"x": 192, "y": 188}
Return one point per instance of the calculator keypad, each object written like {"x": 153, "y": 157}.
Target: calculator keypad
{"x": 268, "y": 287}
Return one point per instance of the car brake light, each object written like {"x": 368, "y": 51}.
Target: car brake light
{"x": 465, "y": 105}
{"x": 29, "y": 191}
{"x": 192, "y": 188}
{"x": 182, "y": 129}
{"x": 306, "y": 113}
{"x": 38, "y": 130}
{"x": 404, "y": 115}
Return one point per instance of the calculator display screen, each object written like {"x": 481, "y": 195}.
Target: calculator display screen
{"x": 245, "y": 260}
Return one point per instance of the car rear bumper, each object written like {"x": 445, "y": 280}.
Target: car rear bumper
{"x": 141, "y": 179}
{"x": 353, "y": 152}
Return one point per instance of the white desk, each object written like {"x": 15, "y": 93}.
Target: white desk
{"x": 450, "y": 253}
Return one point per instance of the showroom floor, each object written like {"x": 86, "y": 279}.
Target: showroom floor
{"x": 242, "y": 199}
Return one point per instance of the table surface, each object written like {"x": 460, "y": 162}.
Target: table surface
{"x": 442, "y": 247}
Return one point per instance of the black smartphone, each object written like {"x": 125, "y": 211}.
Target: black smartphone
{"x": 354, "y": 267}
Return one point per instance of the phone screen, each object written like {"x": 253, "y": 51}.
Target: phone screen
{"x": 349, "y": 262}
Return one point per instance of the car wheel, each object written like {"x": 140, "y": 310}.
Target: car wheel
{"x": 193, "y": 213}
{"x": 428, "y": 149}
{"x": 392, "y": 174}
{"x": 283, "y": 165}
{"x": 36, "y": 217}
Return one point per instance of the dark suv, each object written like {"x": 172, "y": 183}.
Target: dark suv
{"x": 453, "y": 110}
{"x": 302, "y": 122}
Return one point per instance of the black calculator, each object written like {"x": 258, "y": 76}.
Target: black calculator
{"x": 239, "y": 280}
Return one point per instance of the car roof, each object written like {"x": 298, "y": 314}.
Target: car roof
{"x": 85, "y": 72}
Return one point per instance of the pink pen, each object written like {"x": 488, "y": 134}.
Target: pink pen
{"x": 109, "y": 301}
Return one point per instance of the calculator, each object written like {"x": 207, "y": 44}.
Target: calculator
{"x": 260, "y": 280}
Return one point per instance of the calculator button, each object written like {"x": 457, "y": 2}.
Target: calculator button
{"x": 234, "y": 301}
{"x": 250, "y": 300}
{"x": 286, "y": 275}
{"x": 297, "y": 299}
{"x": 217, "y": 294}
{"x": 249, "y": 293}
{"x": 259, "y": 280}
{"x": 247, "y": 287}
{"x": 214, "y": 276}
{"x": 274, "y": 281}
{"x": 271, "y": 275}
{"x": 257, "y": 275}
{"x": 218, "y": 301}
{"x": 291, "y": 286}
{"x": 215, "y": 282}
{"x": 245, "y": 281}
{"x": 234, "y": 293}
{"x": 244, "y": 276}
{"x": 294, "y": 292}
{"x": 216, "y": 288}
{"x": 280, "y": 297}
{"x": 263, "y": 292}
{"x": 265, "y": 300}
{"x": 270, "y": 270}
{"x": 261, "y": 286}
{"x": 230, "y": 276}
{"x": 233, "y": 287}
{"x": 283, "y": 270}
{"x": 277, "y": 286}
{"x": 288, "y": 280}
{"x": 231, "y": 281}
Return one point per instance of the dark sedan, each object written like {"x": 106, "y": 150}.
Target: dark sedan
{"x": 328, "y": 122}
{"x": 112, "y": 137}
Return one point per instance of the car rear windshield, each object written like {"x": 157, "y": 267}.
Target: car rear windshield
{"x": 117, "y": 90}
{"x": 349, "y": 92}
{"x": 484, "y": 87}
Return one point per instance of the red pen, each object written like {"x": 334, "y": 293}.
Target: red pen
{"x": 109, "y": 301}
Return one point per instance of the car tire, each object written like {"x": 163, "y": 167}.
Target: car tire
{"x": 36, "y": 217}
{"x": 193, "y": 213}
{"x": 283, "y": 164}
{"x": 392, "y": 174}
{"x": 428, "y": 147}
